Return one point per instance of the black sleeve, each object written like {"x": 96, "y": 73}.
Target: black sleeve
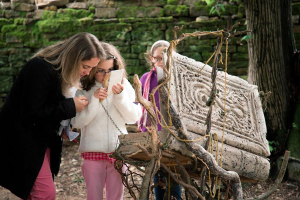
{"x": 40, "y": 82}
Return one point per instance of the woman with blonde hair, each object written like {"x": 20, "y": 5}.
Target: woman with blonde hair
{"x": 30, "y": 118}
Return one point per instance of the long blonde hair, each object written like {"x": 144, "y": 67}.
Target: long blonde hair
{"x": 111, "y": 52}
{"x": 68, "y": 54}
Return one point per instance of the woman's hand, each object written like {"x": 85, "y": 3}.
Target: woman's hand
{"x": 64, "y": 135}
{"x": 117, "y": 89}
{"x": 100, "y": 93}
{"x": 80, "y": 103}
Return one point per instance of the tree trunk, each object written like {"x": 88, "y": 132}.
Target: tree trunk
{"x": 270, "y": 51}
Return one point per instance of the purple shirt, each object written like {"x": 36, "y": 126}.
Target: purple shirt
{"x": 153, "y": 84}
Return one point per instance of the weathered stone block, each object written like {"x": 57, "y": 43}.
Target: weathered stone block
{"x": 192, "y": 2}
{"x": 24, "y": 7}
{"x": 77, "y": 5}
{"x": 127, "y": 3}
{"x": 139, "y": 12}
{"x": 105, "y": 13}
{"x": 151, "y": 3}
{"x": 101, "y": 3}
{"x": 51, "y": 2}
{"x": 11, "y": 14}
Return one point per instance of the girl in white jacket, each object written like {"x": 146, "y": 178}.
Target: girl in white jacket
{"x": 99, "y": 133}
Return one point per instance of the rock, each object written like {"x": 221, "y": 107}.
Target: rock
{"x": 52, "y": 2}
{"x": 295, "y": 19}
{"x": 105, "y": 13}
{"x": 24, "y": 7}
{"x": 51, "y": 8}
{"x": 202, "y": 19}
{"x": 294, "y": 171}
{"x": 5, "y": 5}
{"x": 77, "y": 5}
{"x": 38, "y": 14}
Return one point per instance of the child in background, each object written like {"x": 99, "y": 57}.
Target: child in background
{"x": 149, "y": 82}
{"x": 99, "y": 133}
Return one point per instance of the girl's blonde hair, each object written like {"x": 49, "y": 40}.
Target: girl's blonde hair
{"x": 68, "y": 54}
{"x": 157, "y": 44}
{"x": 111, "y": 52}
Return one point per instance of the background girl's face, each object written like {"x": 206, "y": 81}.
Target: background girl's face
{"x": 156, "y": 58}
{"x": 87, "y": 65}
{"x": 103, "y": 68}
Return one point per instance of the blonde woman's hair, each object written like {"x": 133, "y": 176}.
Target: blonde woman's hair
{"x": 157, "y": 44}
{"x": 68, "y": 54}
{"x": 111, "y": 52}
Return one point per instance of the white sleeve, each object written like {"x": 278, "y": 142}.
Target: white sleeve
{"x": 125, "y": 103}
{"x": 84, "y": 117}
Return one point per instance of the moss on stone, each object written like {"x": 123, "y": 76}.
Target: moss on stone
{"x": 47, "y": 15}
{"x": 92, "y": 9}
{"x": 180, "y": 10}
{"x": 125, "y": 12}
{"x": 86, "y": 21}
{"x": 8, "y": 28}
{"x": 72, "y": 13}
{"x": 3, "y": 21}
{"x": 173, "y": 2}
{"x": 48, "y": 26}
{"x": 20, "y": 21}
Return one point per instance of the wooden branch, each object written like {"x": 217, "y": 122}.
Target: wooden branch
{"x": 144, "y": 194}
{"x": 145, "y": 103}
{"x": 146, "y": 152}
{"x": 126, "y": 183}
{"x": 199, "y": 151}
{"x": 278, "y": 179}
{"x": 181, "y": 182}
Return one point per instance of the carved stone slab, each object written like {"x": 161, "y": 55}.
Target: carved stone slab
{"x": 245, "y": 145}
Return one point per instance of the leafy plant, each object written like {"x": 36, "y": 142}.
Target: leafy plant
{"x": 273, "y": 145}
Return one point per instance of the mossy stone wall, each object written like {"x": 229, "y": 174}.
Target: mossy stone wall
{"x": 131, "y": 25}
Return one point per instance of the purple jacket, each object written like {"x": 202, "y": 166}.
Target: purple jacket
{"x": 153, "y": 84}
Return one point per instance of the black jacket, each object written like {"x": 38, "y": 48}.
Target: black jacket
{"x": 29, "y": 120}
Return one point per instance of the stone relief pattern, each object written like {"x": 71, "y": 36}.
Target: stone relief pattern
{"x": 244, "y": 117}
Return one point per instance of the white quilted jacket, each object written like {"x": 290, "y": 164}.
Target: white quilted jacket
{"x": 98, "y": 133}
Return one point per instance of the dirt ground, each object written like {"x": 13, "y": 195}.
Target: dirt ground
{"x": 70, "y": 183}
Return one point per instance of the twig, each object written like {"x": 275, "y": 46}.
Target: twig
{"x": 181, "y": 182}
{"x": 278, "y": 179}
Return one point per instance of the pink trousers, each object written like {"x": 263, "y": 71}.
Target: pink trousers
{"x": 43, "y": 187}
{"x": 100, "y": 174}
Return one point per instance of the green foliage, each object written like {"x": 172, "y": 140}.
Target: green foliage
{"x": 216, "y": 9}
{"x": 247, "y": 37}
{"x": 273, "y": 145}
